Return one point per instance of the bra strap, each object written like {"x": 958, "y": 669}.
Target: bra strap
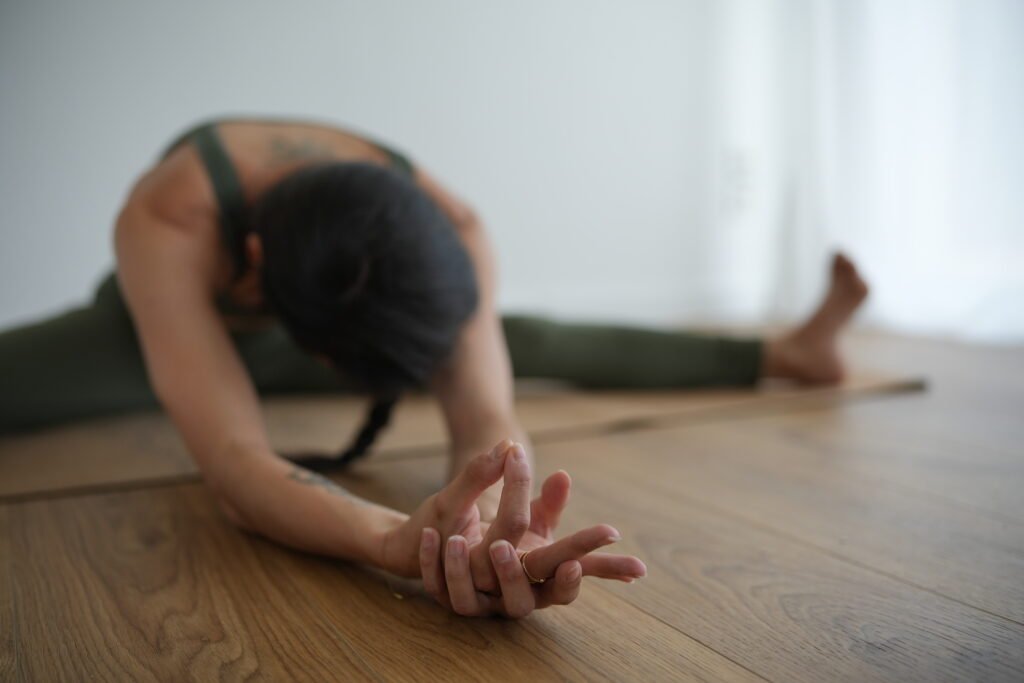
{"x": 228, "y": 190}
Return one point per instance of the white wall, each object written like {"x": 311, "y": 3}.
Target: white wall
{"x": 576, "y": 128}
{"x": 653, "y": 161}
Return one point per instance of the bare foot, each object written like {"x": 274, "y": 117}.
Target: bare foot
{"x": 810, "y": 353}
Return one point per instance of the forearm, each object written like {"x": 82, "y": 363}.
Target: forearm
{"x": 301, "y": 509}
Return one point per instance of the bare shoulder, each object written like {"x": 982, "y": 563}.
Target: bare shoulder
{"x": 175, "y": 190}
{"x": 174, "y": 201}
{"x": 167, "y": 236}
{"x": 171, "y": 215}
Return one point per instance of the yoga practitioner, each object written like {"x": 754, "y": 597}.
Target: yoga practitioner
{"x": 266, "y": 257}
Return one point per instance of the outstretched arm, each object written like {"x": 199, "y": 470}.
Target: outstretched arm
{"x": 166, "y": 274}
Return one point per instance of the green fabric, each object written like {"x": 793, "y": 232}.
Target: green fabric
{"x": 88, "y": 362}
{"x": 601, "y": 356}
{"x": 398, "y": 160}
{"x": 228, "y": 190}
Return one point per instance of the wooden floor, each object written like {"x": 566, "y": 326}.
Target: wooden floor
{"x": 807, "y": 540}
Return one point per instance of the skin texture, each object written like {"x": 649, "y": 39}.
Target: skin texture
{"x": 453, "y": 512}
{"x": 172, "y": 267}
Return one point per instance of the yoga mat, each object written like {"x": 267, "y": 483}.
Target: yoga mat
{"x": 144, "y": 449}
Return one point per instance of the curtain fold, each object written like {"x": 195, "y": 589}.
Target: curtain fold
{"x": 889, "y": 128}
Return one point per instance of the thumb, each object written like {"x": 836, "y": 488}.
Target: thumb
{"x": 476, "y": 477}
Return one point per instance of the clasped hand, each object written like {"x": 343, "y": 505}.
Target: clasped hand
{"x": 473, "y": 567}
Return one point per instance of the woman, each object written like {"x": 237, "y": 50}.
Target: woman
{"x": 261, "y": 257}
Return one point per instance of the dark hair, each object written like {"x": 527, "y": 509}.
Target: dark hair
{"x": 362, "y": 267}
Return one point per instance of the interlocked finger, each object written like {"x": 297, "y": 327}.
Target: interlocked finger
{"x": 517, "y": 594}
{"x": 543, "y": 562}
{"x": 431, "y": 567}
{"x": 563, "y": 587}
{"x": 511, "y": 522}
{"x": 463, "y": 595}
{"x": 513, "y": 518}
{"x": 477, "y": 476}
{"x": 619, "y": 567}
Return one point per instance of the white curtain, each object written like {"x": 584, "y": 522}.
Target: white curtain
{"x": 664, "y": 161}
{"x": 893, "y": 129}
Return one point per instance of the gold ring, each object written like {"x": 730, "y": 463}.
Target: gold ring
{"x": 529, "y": 577}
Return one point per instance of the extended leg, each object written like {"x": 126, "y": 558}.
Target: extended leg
{"x": 83, "y": 363}
{"x": 88, "y": 362}
{"x": 615, "y": 356}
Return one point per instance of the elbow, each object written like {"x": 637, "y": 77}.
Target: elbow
{"x": 229, "y": 509}
{"x": 221, "y": 495}
{"x": 223, "y": 477}
{"x": 232, "y": 514}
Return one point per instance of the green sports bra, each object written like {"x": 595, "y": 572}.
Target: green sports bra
{"x": 227, "y": 187}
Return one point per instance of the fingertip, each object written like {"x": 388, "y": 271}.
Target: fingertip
{"x": 629, "y": 575}
{"x": 489, "y": 463}
{"x": 456, "y": 546}
{"x": 634, "y": 568}
{"x": 516, "y": 464}
{"x": 557, "y": 482}
{"x": 488, "y": 466}
{"x": 568, "y": 584}
{"x": 499, "y": 451}
{"x": 610, "y": 532}
{"x": 518, "y": 452}
{"x": 480, "y": 473}
{"x": 501, "y": 551}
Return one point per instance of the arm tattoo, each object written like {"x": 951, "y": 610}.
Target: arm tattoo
{"x": 283, "y": 150}
{"x": 313, "y": 479}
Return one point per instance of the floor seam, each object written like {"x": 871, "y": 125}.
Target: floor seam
{"x": 700, "y": 416}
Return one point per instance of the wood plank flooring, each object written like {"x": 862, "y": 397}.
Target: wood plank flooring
{"x": 154, "y": 585}
{"x": 122, "y": 452}
{"x": 820, "y": 539}
{"x": 779, "y": 606}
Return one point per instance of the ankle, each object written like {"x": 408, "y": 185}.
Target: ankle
{"x": 773, "y": 362}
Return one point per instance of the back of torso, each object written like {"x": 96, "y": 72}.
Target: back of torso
{"x": 218, "y": 168}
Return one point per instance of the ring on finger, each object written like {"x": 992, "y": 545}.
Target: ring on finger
{"x": 529, "y": 576}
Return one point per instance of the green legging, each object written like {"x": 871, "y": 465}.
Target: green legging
{"x": 88, "y": 362}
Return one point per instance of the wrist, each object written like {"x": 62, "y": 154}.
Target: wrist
{"x": 381, "y": 542}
